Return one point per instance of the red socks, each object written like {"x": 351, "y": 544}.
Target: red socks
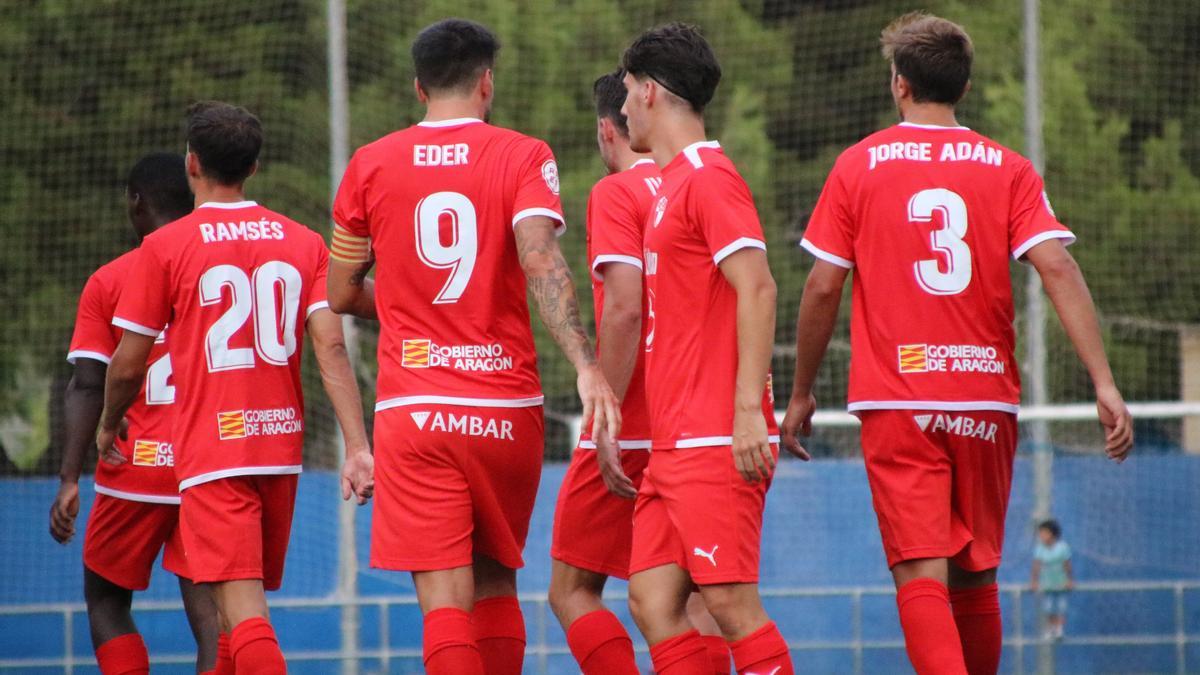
{"x": 718, "y": 653}
{"x": 500, "y": 634}
{"x": 449, "y": 644}
{"x": 683, "y": 654}
{"x": 601, "y": 645}
{"x": 255, "y": 648}
{"x": 123, "y": 655}
{"x": 977, "y": 614}
{"x": 224, "y": 656}
{"x": 763, "y": 651}
{"x": 930, "y": 635}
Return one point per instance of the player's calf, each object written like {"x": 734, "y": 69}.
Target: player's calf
{"x": 975, "y": 601}
{"x": 201, "y": 612}
{"x": 595, "y": 635}
{"x": 499, "y": 626}
{"x": 253, "y": 644}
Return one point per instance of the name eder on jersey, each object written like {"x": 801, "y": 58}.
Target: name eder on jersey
{"x": 929, "y": 358}
{"x": 424, "y": 353}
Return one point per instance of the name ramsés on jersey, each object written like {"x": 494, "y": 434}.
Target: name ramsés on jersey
{"x": 961, "y": 151}
{"x": 243, "y": 230}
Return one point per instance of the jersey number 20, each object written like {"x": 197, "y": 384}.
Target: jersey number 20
{"x": 948, "y": 240}
{"x": 258, "y": 297}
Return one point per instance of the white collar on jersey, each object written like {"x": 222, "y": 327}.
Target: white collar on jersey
{"x": 692, "y": 152}
{"x": 932, "y": 127}
{"x": 227, "y": 205}
{"x": 450, "y": 123}
{"x": 644, "y": 160}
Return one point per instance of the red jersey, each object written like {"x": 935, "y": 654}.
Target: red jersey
{"x": 927, "y": 217}
{"x": 703, "y": 213}
{"x": 617, "y": 211}
{"x": 439, "y": 202}
{"x": 149, "y": 473}
{"x": 237, "y": 283}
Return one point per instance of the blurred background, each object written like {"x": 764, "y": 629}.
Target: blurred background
{"x": 1103, "y": 95}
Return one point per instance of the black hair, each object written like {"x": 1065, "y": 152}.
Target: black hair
{"x": 226, "y": 138}
{"x": 678, "y": 57}
{"x": 1052, "y": 527}
{"x": 451, "y": 54}
{"x": 160, "y": 178}
{"x": 609, "y": 94}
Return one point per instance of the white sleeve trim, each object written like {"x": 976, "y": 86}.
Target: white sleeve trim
{"x": 135, "y": 327}
{"x": 613, "y": 258}
{"x": 826, "y": 255}
{"x": 737, "y": 245}
{"x": 324, "y": 304}
{"x": 106, "y": 359}
{"x": 540, "y": 211}
{"x": 1020, "y": 251}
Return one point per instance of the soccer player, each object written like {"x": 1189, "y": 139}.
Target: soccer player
{"x": 238, "y": 284}
{"x": 462, "y": 217}
{"x": 927, "y": 214}
{"x": 593, "y": 520}
{"x": 136, "y": 511}
{"x": 698, "y": 515}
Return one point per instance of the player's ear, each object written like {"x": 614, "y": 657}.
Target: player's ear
{"x": 421, "y": 95}
{"x": 253, "y": 170}
{"x": 192, "y": 164}
{"x": 487, "y": 85}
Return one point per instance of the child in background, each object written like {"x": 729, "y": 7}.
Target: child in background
{"x": 1052, "y": 577}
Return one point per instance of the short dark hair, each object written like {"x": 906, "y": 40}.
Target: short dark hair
{"x": 1052, "y": 527}
{"x": 609, "y": 94}
{"x": 160, "y": 178}
{"x": 452, "y": 54}
{"x": 226, "y": 138}
{"x": 933, "y": 54}
{"x": 678, "y": 57}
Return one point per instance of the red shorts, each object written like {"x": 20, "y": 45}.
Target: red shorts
{"x": 452, "y": 482}
{"x": 593, "y": 528}
{"x": 940, "y": 482}
{"x": 123, "y": 538}
{"x": 695, "y": 510}
{"x": 238, "y": 528}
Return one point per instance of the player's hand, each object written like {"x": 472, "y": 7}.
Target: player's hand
{"x": 600, "y": 405}
{"x": 797, "y": 422}
{"x": 106, "y": 440}
{"x": 608, "y": 455}
{"x": 358, "y": 476}
{"x": 63, "y": 512}
{"x": 1117, "y": 423}
{"x": 751, "y": 450}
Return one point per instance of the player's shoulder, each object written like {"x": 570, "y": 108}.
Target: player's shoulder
{"x": 614, "y": 185}
{"x": 292, "y": 228}
{"x": 712, "y": 168}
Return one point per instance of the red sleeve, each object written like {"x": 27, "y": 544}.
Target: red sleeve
{"x": 537, "y": 186}
{"x": 145, "y": 305}
{"x": 318, "y": 295}
{"x": 1031, "y": 221}
{"x": 94, "y": 337}
{"x": 832, "y": 226}
{"x": 349, "y": 210}
{"x": 614, "y": 226}
{"x": 721, "y": 205}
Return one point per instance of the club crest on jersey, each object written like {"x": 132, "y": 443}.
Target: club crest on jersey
{"x": 950, "y": 359}
{"x": 424, "y": 353}
{"x": 659, "y": 210}
{"x": 235, "y": 424}
{"x": 153, "y": 453}
{"x": 959, "y": 425}
{"x": 550, "y": 175}
{"x": 465, "y": 425}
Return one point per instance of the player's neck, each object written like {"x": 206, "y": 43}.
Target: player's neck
{"x": 222, "y": 194}
{"x": 454, "y": 108}
{"x": 930, "y": 114}
{"x": 675, "y": 134}
{"x": 624, "y": 158}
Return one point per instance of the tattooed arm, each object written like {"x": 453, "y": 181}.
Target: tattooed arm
{"x": 350, "y": 290}
{"x": 550, "y": 284}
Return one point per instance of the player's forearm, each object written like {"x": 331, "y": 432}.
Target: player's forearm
{"x": 82, "y": 405}
{"x": 553, "y": 291}
{"x": 121, "y": 387}
{"x": 815, "y": 323}
{"x": 620, "y": 339}
{"x": 756, "y": 337}
{"x": 354, "y": 296}
{"x": 341, "y": 386}
{"x": 1072, "y": 300}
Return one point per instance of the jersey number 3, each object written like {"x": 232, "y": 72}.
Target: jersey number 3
{"x": 949, "y": 241}
{"x": 459, "y": 256}
{"x": 273, "y": 283}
